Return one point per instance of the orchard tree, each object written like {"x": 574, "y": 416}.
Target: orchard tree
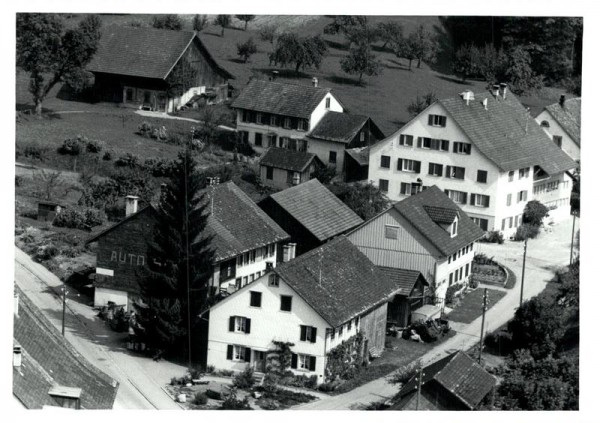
{"x": 421, "y": 103}
{"x": 267, "y": 32}
{"x": 405, "y": 48}
{"x": 466, "y": 61}
{"x": 199, "y": 22}
{"x": 247, "y": 49}
{"x": 302, "y": 52}
{"x": 223, "y": 21}
{"x": 360, "y": 61}
{"x": 246, "y": 19}
{"x": 179, "y": 260}
{"x": 390, "y": 32}
{"x": 365, "y": 200}
{"x": 52, "y": 55}
{"x": 521, "y": 77}
{"x": 425, "y": 46}
{"x": 172, "y": 22}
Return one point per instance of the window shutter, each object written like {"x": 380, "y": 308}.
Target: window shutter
{"x": 420, "y": 141}
{"x": 454, "y": 147}
{"x": 525, "y": 196}
{"x": 313, "y": 364}
{"x": 229, "y": 352}
{"x": 313, "y": 338}
{"x": 399, "y": 164}
{"x": 445, "y": 145}
{"x": 484, "y": 224}
{"x": 431, "y": 169}
{"x": 417, "y": 167}
{"x": 460, "y": 173}
{"x": 248, "y": 354}
{"x": 486, "y": 200}
{"x": 443, "y": 121}
{"x": 447, "y": 192}
{"x": 231, "y": 323}
{"x": 430, "y": 122}
{"x": 302, "y": 333}
{"x": 247, "y": 325}
{"x": 472, "y": 199}
{"x": 409, "y": 140}
{"x": 294, "y": 361}
{"x": 468, "y": 149}
{"x": 463, "y": 198}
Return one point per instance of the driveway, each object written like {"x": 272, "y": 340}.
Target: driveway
{"x": 548, "y": 252}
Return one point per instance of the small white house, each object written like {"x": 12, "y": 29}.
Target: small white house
{"x": 562, "y": 122}
{"x": 316, "y": 302}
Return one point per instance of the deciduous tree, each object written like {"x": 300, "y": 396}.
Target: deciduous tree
{"x": 521, "y": 77}
{"x": 365, "y": 200}
{"x": 390, "y": 32}
{"x": 172, "y": 22}
{"x": 421, "y": 103}
{"x": 246, "y": 49}
{"x": 246, "y": 19}
{"x": 267, "y": 32}
{"x": 52, "y": 55}
{"x": 199, "y": 22}
{"x": 360, "y": 61}
{"x": 223, "y": 21}
{"x": 302, "y": 52}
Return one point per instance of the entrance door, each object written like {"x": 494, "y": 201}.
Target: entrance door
{"x": 260, "y": 362}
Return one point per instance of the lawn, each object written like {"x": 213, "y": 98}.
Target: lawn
{"x": 470, "y": 306}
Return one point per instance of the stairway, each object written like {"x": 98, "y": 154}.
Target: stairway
{"x": 259, "y": 377}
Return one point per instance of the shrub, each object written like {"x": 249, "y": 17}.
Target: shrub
{"x": 70, "y": 218}
{"x": 494, "y": 237}
{"x": 159, "y": 167}
{"x": 499, "y": 342}
{"x": 128, "y": 160}
{"x": 46, "y": 253}
{"x": 233, "y": 403}
{"x": 195, "y": 373}
{"x": 93, "y": 217}
{"x": 270, "y": 382}
{"x": 119, "y": 321}
{"x": 377, "y": 405}
{"x": 200, "y": 399}
{"x": 34, "y": 151}
{"x": 210, "y": 369}
{"x": 213, "y": 394}
{"x": 71, "y": 252}
{"x": 525, "y": 231}
{"x": 328, "y": 386}
{"x": 403, "y": 375}
{"x": 534, "y": 213}
{"x": 173, "y": 381}
{"x": 70, "y": 146}
{"x": 451, "y": 292}
{"x": 18, "y": 180}
{"x": 268, "y": 404}
{"x": 107, "y": 156}
{"x": 94, "y": 146}
{"x": 145, "y": 129}
{"x": 30, "y": 213}
{"x": 245, "y": 379}
{"x": 473, "y": 283}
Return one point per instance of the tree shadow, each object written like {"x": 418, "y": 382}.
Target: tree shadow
{"x": 445, "y": 53}
{"x": 284, "y": 73}
{"x": 380, "y": 49}
{"x": 29, "y": 109}
{"x": 454, "y": 80}
{"x": 237, "y": 60}
{"x": 400, "y": 66}
{"x": 344, "y": 80}
{"x": 213, "y": 34}
{"x": 336, "y": 45}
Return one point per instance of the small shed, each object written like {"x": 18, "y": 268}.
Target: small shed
{"x": 47, "y": 211}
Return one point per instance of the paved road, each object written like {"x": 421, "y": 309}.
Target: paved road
{"x": 548, "y": 252}
{"x": 140, "y": 378}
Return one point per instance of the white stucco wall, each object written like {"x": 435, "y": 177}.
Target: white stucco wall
{"x": 568, "y": 145}
{"x": 254, "y": 128}
{"x": 322, "y": 148}
{"x": 245, "y": 270}
{"x": 320, "y": 110}
{"x": 443, "y": 270}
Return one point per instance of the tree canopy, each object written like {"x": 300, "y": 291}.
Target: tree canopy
{"x": 223, "y": 21}
{"x": 302, "y": 52}
{"x": 246, "y": 49}
{"x": 365, "y": 200}
{"x": 52, "y": 55}
{"x": 421, "y": 103}
{"x": 199, "y": 22}
{"x": 360, "y": 61}
{"x": 246, "y": 19}
{"x": 172, "y": 22}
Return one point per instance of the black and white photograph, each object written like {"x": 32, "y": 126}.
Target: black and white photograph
{"x": 370, "y": 209}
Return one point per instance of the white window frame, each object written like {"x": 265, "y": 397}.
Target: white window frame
{"x": 391, "y": 228}
{"x": 302, "y": 125}
{"x": 437, "y": 120}
{"x": 405, "y": 185}
{"x": 478, "y": 200}
{"x": 287, "y": 123}
{"x": 239, "y": 324}
{"x": 453, "y": 172}
{"x": 274, "y": 280}
{"x": 461, "y": 147}
{"x": 239, "y": 353}
{"x": 458, "y": 194}
{"x": 434, "y": 166}
{"x": 402, "y": 140}
{"x": 408, "y": 165}
{"x": 454, "y": 229}
{"x": 304, "y": 361}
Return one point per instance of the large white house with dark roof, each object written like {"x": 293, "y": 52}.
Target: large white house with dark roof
{"x": 562, "y": 122}
{"x": 484, "y": 150}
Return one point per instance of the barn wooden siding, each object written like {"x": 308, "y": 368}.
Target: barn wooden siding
{"x": 373, "y": 325}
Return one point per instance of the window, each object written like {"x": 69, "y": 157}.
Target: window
{"x": 273, "y": 121}
{"x": 454, "y": 257}
{"x": 433, "y": 144}
{"x": 239, "y": 324}
{"x": 349, "y": 325}
{"x": 508, "y": 199}
{"x": 302, "y": 125}
{"x": 304, "y": 362}
{"x": 286, "y": 303}
{"x": 480, "y": 200}
{"x": 238, "y": 283}
{"x": 522, "y": 196}
{"x": 244, "y": 136}
{"x": 406, "y": 165}
{"x": 332, "y": 157}
{"x": 259, "y": 117}
{"x": 384, "y": 185}
{"x": 449, "y": 259}
{"x": 308, "y": 333}
{"x": 252, "y": 256}
{"x": 274, "y": 280}
{"x": 466, "y": 270}
{"x": 459, "y": 197}
{"x": 284, "y": 142}
{"x": 356, "y": 322}
{"x": 362, "y": 136}
{"x": 287, "y": 123}
{"x": 472, "y": 244}
{"x": 482, "y": 176}
{"x": 511, "y": 175}
{"x": 251, "y": 277}
{"x": 271, "y": 250}
{"x": 301, "y": 145}
{"x": 551, "y": 186}
{"x": 455, "y": 172}
{"x": 456, "y": 275}
{"x": 545, "y": 124}
{"x": 510, "y": 222}
{"x": 460, "y": 274}
{"x": 129, "y": 94}
{"x": 405, "y": 188}
{"x": 391, "y": 232}
{"x": 341, "y": 331}
{"x": 524, "y": 173}
{"x": 437, "y": 120}
{"x": 332, "y": 333}
{"x": 327, "y": 103}
{"x": 450, "y": 277}
{"x": 406, "y": 140}
{"x": 258, "y": 275}
{"x": 454, "y": 228}
{"x": 269, "y": 173}
{"x": 385, "y": 162}
{"x": 272, "y": 140}
{"x": 436, "y": 169}
{"x": 461, "y": 148}
{"x": 255, "y": 298}
{"x": 238, "y": 353}
{"x": 557, "y": 140}
{"x": 258, "y": 137}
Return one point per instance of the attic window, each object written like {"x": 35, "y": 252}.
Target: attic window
{"x": 391, "y": 232}
{"x": 454, "y": 229}
{"x": 545, "y": 124}
{"x": 66, "y": 397}
{"x": 327, "y": 103}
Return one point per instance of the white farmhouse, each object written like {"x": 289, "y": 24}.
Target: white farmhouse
{"x": 484, "y": 151}
{"x": 562, "y": 122}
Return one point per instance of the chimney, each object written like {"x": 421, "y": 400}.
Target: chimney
{"x": 17, "y": 356}
{"x": 503, "y": 90}
{"x": 467, "y": 96}
{"x": 16, "y": 305}
{"x": 315, "y": 82}
{"x": 485, "y": 103}
{"x": 292, "y": 253}
{"x": 131, "y": 204}
{"x": 496, "y": 91}
{"x": 562, "y": 100}
{"x": 286, "y": 253}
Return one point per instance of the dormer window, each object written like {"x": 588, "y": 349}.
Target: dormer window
{"x": 327, "y": 103}
{"x": 454, "y": 228}
{"x": 66, "y": 397}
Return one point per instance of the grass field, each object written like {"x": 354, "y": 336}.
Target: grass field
{"x": 470, "y": 306}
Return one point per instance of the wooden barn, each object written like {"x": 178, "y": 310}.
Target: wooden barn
{"x": 155, "y": 69}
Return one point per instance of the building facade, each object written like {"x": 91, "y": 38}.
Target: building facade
{"x": 562, "y": 122}
{"x": 281, "y": 168}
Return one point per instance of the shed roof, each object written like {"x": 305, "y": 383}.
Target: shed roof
{"x": 337, "y": 281}
{"x": 317, "y": 209}
{"x": 145, "y": 52}
{"x": 280, "y": 98}
{"x": 404, "y": 279}
{"x": 284, "y": 158}
{"x": 359, "y": 154}
{"x": 49, "y": 361}
{"x": 415, "y": 210}
{"x": 568, "y": 117}
{"x": 338, "y": 127}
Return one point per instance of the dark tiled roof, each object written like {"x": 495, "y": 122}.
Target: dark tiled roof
{"x": 500, "y": 133}
{"x": 237, "y": 224}
{"x": 49, "y": 360}
{"x": 459, "y": 374}
{"x": 568, "y": 117}
{"x": 338, "y": 127}
{"x": 337, "y": 281}
{"x": 144, "y": 52}
{"x": 441, "y": 214}
{"x": 284, "y": 158}
{"x": 413, "y": 210}
{"x": 279, "y": 98}
{"x": 404, "y": 279}
{"x": 317, "y": 209}
{"x": 360, "y": 155}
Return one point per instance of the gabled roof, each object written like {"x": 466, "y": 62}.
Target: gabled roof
{"x": 280, "y": 98}
{"x": 360, "y": 155}
{"x": 441, "y": 215}
{"x": 337, "y": 281}
{"x": 404, "y": 279}
{"x": 338, "y": 127}
{"x": 568, "y": 117}
{"x": 284, "y": 158}
{"x": 237, "y": 224}
{"x": 413, "y": 209}
{"x": 506, "y": 133}
{"x": 462, "y": 376}
{"x": 49, "y": 360}
{"x": 145, "y": 52}
{"x": 317, "y": 209}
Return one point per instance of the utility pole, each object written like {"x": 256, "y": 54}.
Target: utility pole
{"x": 64, "y": 301}
{"x": 523, "y": 272}
{"x": 484, "y": 307}
{"x": 572, "y": 241}
{"x": 419, "y": 383}
{"x": 187, "y": 256}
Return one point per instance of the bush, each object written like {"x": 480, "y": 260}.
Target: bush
{"x": 213, "y": 394}
{"x": 34, "y": 151}
{"x": 403, "y": 375}
{"x": 46, "y": 253}
{"x": 494, "y": 237}
{"x": 18, "y": 180}
{"x": 107, "y": 156}
{"x": 29, "y": 213}
{"x": 119, "y": 321}
{"x": 71, "y": 252}
{"x": 128, "y": 160}
{"x": 268, "y": 404}
{"x": 233, "y": 403}
{"x": 377, "y": 405}
{"x": 328, "y": 386}
{"x": 526, "y": 231}
{"x": 534, "y": 213}
{"x": 70, "y": 146}
{"x": 71, "y": 218}
{"x": 93, "y": 217}
{"x": 210, "y": 369}
{"x": 200, "y": 399}
{"x": 145, "y": 129}
{"x": 94, "y": 146}
{"x": 499, "y": 342}
{"x": 245, "y": 379}
{"x": 159, "y": 167}
{"x": 451, "y": 292}
{"x": 473, "y": 283}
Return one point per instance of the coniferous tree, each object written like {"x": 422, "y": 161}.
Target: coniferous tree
{"x": 173, "y": 289}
